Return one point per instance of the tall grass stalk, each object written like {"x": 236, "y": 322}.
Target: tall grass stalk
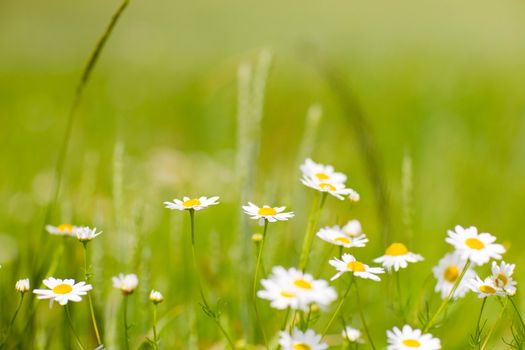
{"x": 313, "y": 220}
{"x": 407, "y": 195}
{"x": 518, "y": 313}
{"x": 70, "y": 321}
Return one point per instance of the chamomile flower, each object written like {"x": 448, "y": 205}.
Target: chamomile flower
{"x": 62, "y": 229}
{"x": 271, "y": 214}
{"x": 156, "y": 297}
{"x": 485, "y": 288}
{"x": 409, "y": 339}
{"x": 502, "y": 277}
{"x": 62, "y": 291}
{"x": 86, "y": 234}
{"x": 311, "y": 169}
{"x": 478, "y": 248}
{"x": 397, "y": 256}
{"x": 352, "y": 335}
{"x": 295, "y": 289}
{"x": 22, "y": 285}
{"x": 336, "y": 236}
{"x": 336, "y": 189}
{"x": 353, "y": 228}
{"x": 349, "y": 264}
{"x": 447, "y": 271}
{"x": 126, "y": 283}
{"x": 299, "y": 340}
{"x": 188, "y": 203}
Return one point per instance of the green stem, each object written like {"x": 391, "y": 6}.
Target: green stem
{"x": 126, "y": 327}
{"x": 12, "y": 321}
{"x": 445, "y": 301}
{"x": 77, "y": 338}
{"x": 478, "y": 331}
{"x": 313, "y": 220}
{"x": 517, "y": 311}
{"x": 155, "y": 339}
{"x": 88, "y": 276}
{"x": 254, "y": 285}
{"x": 487, "y": 338}
{"x": 341, "y": 302}
{"x": 362, "y": 316}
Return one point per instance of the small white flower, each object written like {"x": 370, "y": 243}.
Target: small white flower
{"x": 126, "y": 283}
{"x": 336, "y": 236}
{"x": 295, "y": 289}
{"x": 478, "y": 248}
{"x": 62, "y": 229}
{"x": 156, "y": 297}
{"x": 188, "y": 203}
{"x": 409, "y": 339}
{"x": 447, "y": 271}
{"x": 353, "y": 196}
{"x": 349, "y": 264}
{"x": 62, "y": 291}
{"x": 271, "y": 214}
{"x": 397, "y": 256}
{"x": 485, "y": 288}
{"x": 86, "y": 234}
{"x": 352, "y": 335}
{"x": 298, "y": 340}
{"x": 22, "y": 285}
{"x": 353, "y": 228}
{"x": 321, "y": 172}
{"x": 502, "y": 277}
{"x": 336, "y": 189}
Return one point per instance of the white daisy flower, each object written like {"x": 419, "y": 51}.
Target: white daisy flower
{"x": 321, "y": 172}
{"x": 62, "y": 229}
{"x": 126, "y": 283}
{"x": 271, "y": 214}
{"x": 353, "y": 228}
{"x": 397, "y": 256}
{"x": 349, "y": 264}
{"x": 502, "y": 277}
{"x": 448, "y": 271}
{"x": 485, "y": 288}
{"x": 295, "y": 289}
{"x": 408, "y": 339}
{"x": 478, "y": 248}
{"x": 336, "y": 189}
{"x": 299, "y": 340}
{"x": 352, "y": 335}
{"x": 188, "y": 203}
{"x": 22, "y": 285}
{"x": 156, "y": 297}
{"x": 86, "y": 234}
{"x": 336, "y": 236}
{"x": 62, "y": 291}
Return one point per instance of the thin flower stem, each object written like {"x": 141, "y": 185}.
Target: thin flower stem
{"x": 445, "y": 301}
{"x": 77, "y": 338}
{"x": 313, "y": 220}
{"x": 12, "y": 321}
{"x": 126, "y": 327}
{"x": 487, "y": 338}
{"x": 336, "y": 312}
{"x": 206, "y": 306}
{"x": 517, "y": 311}
{"x": 88, "y": 276}
{"x": 285, "y": 321}
{"x": 254, "y": 285}
{"x": 477, "y": 334}
{"x": 155, "y": 339}
{"x": 362, "y": 316}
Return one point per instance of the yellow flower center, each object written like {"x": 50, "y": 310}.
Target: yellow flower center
{"x": 62, "y": 289}
{"x": 65, "y": 228}
{"x": 487, "y": 289}
{"x": 301, "y": 283}
{"x": 451, "y": 273}
{"x": 325, "y": 185}
{"x": 356, "y": 266}
{"x": 411, "y": 343}
{"x": 396, "y": 249}
{"x": 501, "y": 280}
{"x": 322, "y": 176}
{"x": 344, "y": 240}
{"x": 191, "y": 202}
{"x": 287, "y": 294}
{"x": 267, "y": 211}
{"x": 474, "y": 243}
{"x": 301, "y": 346}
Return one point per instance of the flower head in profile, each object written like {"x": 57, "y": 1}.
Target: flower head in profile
{"x": 348, "y": 263}
{"x": 85, "y": 234}
{"x": 352, "y": 228}
{"x": 397, "y": 257}
{"x": 336, "y": 189}
{"x": 485, "y": 288}
{"x": 478, "y": 248}
{"x": 409, "y": 339}
{"x": 336, "y": 236}
{"x": 353, "y": 335}
{"x": 62, "y": 229}
{"x": 299, "y": 340}
{"x": 62, "y": 291}
{"x": 22, "y": 286}
{"x": 126, "y": 283}
{"x": 447, "y": 271}
{"x": 188, "y": 203}
{"x": 311, "y": 169}
{"x": 295, "y": 289}
{"x": 270, "y": 214}
{"x": 502, "y": 277}
{"x": 353, "y": 196}
{"x": 156, "y": 297}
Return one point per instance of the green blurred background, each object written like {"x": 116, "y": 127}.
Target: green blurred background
{"x": 441, "y": 83}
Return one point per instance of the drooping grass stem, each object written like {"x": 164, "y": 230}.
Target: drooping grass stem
{"x": 254, "y": 285}
{"x": 88, "y": 276}
{"x": 12, "y": 321}
{"x": 313, "y": 220}
{"x": 70, "y": 322}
